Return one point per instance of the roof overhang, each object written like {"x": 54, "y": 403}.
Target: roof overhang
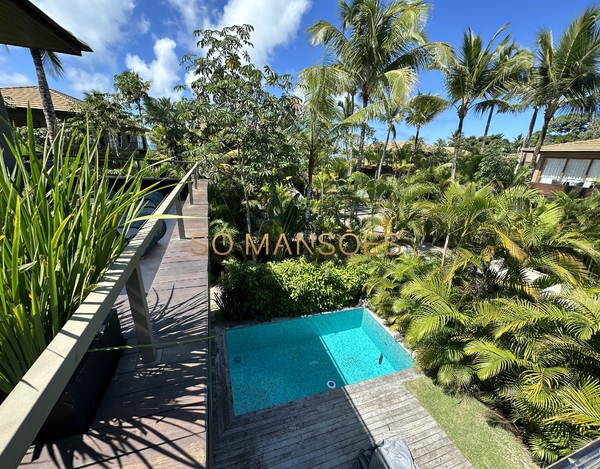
{"x": 23, "y": 24}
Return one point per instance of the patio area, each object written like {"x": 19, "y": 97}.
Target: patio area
{"x": 326, "y": 430}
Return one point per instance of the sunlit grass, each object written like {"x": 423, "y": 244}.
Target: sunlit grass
{"x": 467, "y": 422}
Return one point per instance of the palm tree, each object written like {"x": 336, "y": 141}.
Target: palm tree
{"x": 422, "y": 109}
{"x": 42, "y": 60}
{"x": 567, "y": 73}
{"x": 376, "y": 38}
{"x": 317, "y": 86}
{"x": 389, "y": 105}
{"x": 476, "y": 70}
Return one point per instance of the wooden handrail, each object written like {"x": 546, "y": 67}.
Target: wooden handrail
{"x": 26, "y": 408}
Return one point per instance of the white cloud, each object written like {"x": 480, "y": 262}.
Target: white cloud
{"x": 163, "y": 71}
{"x": 14, "y": 79}
{"x": 100, "y": 23}
{"x": 275, "y": 22}
{"x": 82, "y": 81}
{"x": 143, "y": 24}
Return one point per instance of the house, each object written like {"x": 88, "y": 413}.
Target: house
{"x": 16, "y": 99}
{"x": 25, "y": 25}
{"x": 573, "y": 166}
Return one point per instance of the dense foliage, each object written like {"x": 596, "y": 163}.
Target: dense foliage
{"x": 263, "y": 291}
{"x": 510, "y": 315}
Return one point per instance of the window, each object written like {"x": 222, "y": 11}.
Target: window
{"x": 575, "y": 171}
{"x": 552, "y": 170}
{"x": 593, "y": 173}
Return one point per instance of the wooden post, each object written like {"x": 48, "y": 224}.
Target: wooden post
{"x": 179, "y": 212}
{"x": 141, "y": 316}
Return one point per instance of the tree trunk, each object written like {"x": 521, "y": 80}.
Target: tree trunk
{"x": 414, "y": 151}
{"x": 487, "y": 128}
{"x": 311, "y": 168}
{"x": 547, "y": 118}
{"x": 387, "y": 139}
{"x": 45, "y": 96}
{"x": 246, "y": 201}
{"x": 361, "y": 143}
{"x": 457, "y": 147}
{"x": 527, "y": 138}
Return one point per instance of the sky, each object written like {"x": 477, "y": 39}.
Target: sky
{"x": 151, "y": 36}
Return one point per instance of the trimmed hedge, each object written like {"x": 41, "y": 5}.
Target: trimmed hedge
{"x": 293, "y": 287}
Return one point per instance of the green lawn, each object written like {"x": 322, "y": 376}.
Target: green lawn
{"x": 465, "y": 421}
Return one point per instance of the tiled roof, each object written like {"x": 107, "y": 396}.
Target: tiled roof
{"x": 19, "y": 96}
{"x": 580, "y": 145}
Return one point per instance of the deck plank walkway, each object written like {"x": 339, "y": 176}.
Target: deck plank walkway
{"x": 154, "y": 416}
{"x": 327, "y": 430}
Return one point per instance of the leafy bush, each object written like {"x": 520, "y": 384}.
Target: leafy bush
{"x": 60, "y": 233}
{"x": 290, "y": 288}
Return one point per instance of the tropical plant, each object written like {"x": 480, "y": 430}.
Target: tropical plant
{"x": 567, "y": 73}
{"x": 42, "y": 60}
{"x": 318, "y": 110}
{"x": 240, "y": 118}
{"x": 63, "y": 226}
{"x": 476, "y": 70}
{"x": 421, "y": 110}
{"x": 375, "y": 38}
{"x": 388, "y": 105}
{"x": 133, "y": 89}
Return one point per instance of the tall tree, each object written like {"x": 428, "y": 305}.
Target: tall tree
{"x": 43, "y": 60}
{"x": 317, "y": 87}
{"x": 422, "y": 109}
{"x": 567, "y": 73}
{"x": 246, "y": 123}
{"x": 476, "y": 70}
{"x": 375, "y": 38}
{"x": 133, "y": 89}
{"x": 388, "y": 105}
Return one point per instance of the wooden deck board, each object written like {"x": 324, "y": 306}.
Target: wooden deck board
{"x": 154, "y": 415}
{"x": 328, "y": 429}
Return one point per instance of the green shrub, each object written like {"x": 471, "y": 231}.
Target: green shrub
{"x": 290, "y": 288}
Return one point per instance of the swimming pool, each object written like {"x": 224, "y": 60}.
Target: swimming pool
{"x": 279, "y": 362}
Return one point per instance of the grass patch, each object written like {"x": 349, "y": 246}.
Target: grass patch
{"x": 467, "y": 422}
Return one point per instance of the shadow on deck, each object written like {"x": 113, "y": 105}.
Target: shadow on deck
{"x": 153, "y": 415}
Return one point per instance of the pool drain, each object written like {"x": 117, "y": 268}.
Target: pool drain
{"x": 237, "y": 359}
{"x": 331, "y": 384}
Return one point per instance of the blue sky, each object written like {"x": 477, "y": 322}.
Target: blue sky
{"x": 151, "y": 36}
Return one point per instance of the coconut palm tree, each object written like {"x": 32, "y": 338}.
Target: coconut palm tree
{"x": 567, "y": 73}
{"x": 47, "y": 60}
{"x": 476, "y": 70}
{"x": 421, "y": 110}
{"x": 375, "y": 38}
{"x": 317, "y": 87}
{"x": 389, "y": 105}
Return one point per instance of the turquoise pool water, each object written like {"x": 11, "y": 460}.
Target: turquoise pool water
{"x": 278, "y": 362}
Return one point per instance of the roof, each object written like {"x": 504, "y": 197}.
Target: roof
{"x": 19, "y": 96}
{"x": 587, "y": 457}
{"x": 580, "y": 145}
{"x": 24, "y": 24}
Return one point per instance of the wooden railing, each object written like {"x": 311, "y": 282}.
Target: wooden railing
{"x": 28, "y": 405}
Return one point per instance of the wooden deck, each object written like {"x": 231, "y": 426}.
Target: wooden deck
{"x": 154, "y": 415}
{"x": 327, "y": 430}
